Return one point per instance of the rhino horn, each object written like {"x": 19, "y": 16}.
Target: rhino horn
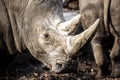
{"x": 74, "y": 43}
{"x": 70, "y": 26}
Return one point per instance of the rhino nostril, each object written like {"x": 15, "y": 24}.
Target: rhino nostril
{"x": 59, "y": 65}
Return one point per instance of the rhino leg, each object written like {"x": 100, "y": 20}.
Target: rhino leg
{"x": 115, "y": 58}
{"x": 98, "y": 54}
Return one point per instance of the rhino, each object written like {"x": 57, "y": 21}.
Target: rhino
{"x": 109, "y": 13}
{"x": 38, "y": 26}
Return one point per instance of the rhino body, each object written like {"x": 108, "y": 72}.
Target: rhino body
{"x": 109, "y": 13}
{"x": 38, "y": 26}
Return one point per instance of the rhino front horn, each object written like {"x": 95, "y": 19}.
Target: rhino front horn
{"x": 74, "y": 43}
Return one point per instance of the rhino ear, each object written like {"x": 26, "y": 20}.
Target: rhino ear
{"x": 76, "y": 42}
{"x": 70, "y": 26}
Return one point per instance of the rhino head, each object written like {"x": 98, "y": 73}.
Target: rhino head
{"x": 44, "y": 32}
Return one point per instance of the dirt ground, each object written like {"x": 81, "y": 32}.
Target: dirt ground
{"x": 25, "y": 67}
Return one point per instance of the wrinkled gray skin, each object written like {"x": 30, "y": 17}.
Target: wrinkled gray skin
{"x": 39, "y": 27}
{"x": 109, "y": 14}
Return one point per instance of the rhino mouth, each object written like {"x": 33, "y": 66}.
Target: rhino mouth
{"x": 59, "y": 66}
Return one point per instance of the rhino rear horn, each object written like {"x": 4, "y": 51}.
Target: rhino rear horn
{"x": 70, "y": 26}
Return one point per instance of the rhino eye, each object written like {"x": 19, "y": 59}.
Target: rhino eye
{"x": 46, "y": 35}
